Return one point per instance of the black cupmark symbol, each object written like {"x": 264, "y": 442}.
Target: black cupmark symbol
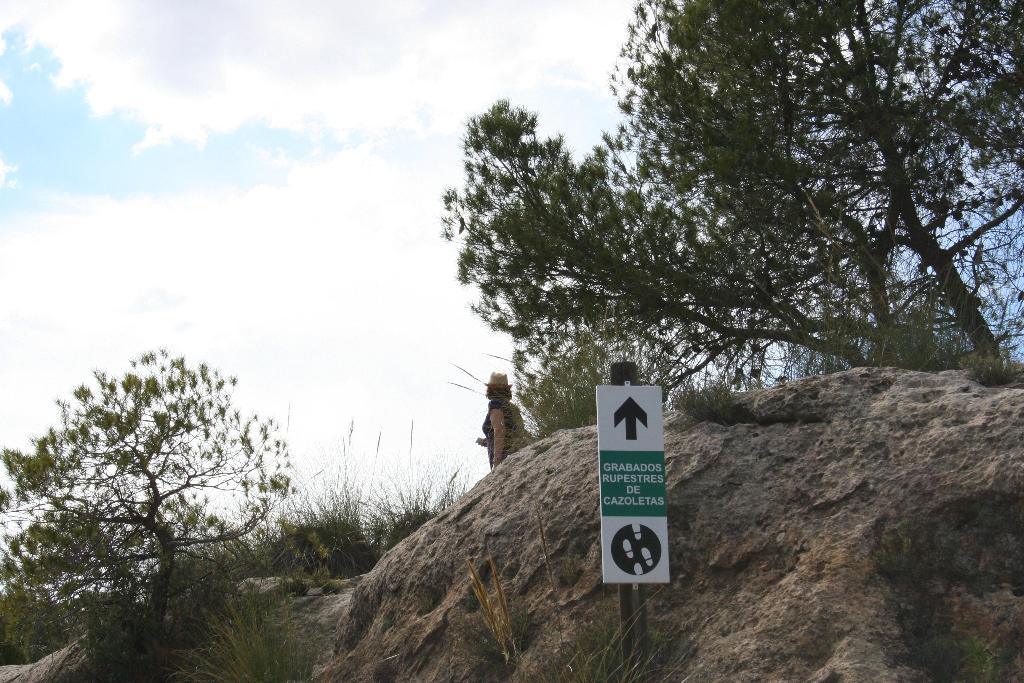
{"x": 636, "y": 549}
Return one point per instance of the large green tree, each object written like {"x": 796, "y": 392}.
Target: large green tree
{"x": 142, "y": 470}
{"x": 844, "y": 178}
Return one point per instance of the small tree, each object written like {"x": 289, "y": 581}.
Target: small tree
{"x": 555, "y": 384}
{"x": 555, "y": 387}
{"x": 141, "y": 469}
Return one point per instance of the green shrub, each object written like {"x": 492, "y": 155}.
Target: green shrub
{"x": 32, "y": 624}
{"x": 13, "y": 648}
{"x": 103, "y": 528}
{"x": 11, "y": 651}
{"x": 399, "y": 507}
{"x": 903, "y": 555}
{"x": 428, "y": 598}
{"x": 206, "y": 581}
{"x": 335, "y": 526}
{"x": 480, "y": 643}
{"x": 710, "y": 401}
{"x": 951, "y": 657}
{"x": 992, "y": 370}
{"x": 919, "y": 340}
{"x": 569, "y": 570}
{"x": 556, "y": 387}
{"x": 323, "y": 532}
{"x": 122, "y": 640}
{"x": 252, "y": 640}
{"x": 979, "y": 663}
{"x": 975, "y": 545}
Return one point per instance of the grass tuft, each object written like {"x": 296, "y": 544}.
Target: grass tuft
{"x": 712, "y": 401}
{"x": 396, "y": 510}
{"x": 505, "y": 632}
{"x": 597, "y": 657}
{"x": 336, "y": 526}
{"x": 252, "y": 640}
{"x": 992, "y": 370}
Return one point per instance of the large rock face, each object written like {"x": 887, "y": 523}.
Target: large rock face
{"x": 863, "y": 526}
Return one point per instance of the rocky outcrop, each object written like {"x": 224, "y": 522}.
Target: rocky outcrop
{"x": 63, "y": 666}
{"x": 315, "y": 617}
{"x": 862, "y": 526}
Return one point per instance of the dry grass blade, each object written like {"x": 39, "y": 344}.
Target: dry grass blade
{"x": 494, "y": 610}
{"x": 467, "y": 373}
{"x": 503, "y": 616}
{"x": 544, "y": 547}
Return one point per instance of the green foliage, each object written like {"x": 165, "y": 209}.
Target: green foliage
{"x": 555, "y": 383}
{"x": 205, "y": 580}
{"x": 923, "y": 340}
{"x": 480, "y": 643}
{"x": 979, "y": 664}
{"x": 569, "y": 569}
{"x": 971, "y": 548}
{"x": 597, "y": 656}
{"x": 123, "y": 640}
{"x": 396, "y": 509}
{"x": 335, "y": 525}
{"x": 323, "y": 532}
{"x": 786, "y": 177}
{"x": 11, "y": 652}
{"x": 556, "y": 387}
{"x": 252, "y": 640}
{"x": 920, "y": 338}
{"x": 12, "y": 647}
{"x": 428, "y": 598}
{"x": 143, "y": 475}
{"x": 32, "y": 625}
{"x": 992, "y": 370}
{"x": 950, "y": 657}
{"x": 710, "y": 401}
{"x": 900, "y": 555}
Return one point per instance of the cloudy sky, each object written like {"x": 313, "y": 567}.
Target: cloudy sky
{"x": 257, "y": 185}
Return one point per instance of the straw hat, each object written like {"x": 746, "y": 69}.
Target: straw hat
{"x": 498, "y": 380}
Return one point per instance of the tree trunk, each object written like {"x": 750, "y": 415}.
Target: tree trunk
{"x": 162, "y": 586}
{"x": 965, "y": 304}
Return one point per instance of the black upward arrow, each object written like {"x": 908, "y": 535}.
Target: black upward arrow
{"x": 630, "y": 411}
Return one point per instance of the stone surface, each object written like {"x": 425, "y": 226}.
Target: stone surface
{"x": 862, "y": 526}
{"x": 316, "y": 615}
{"x": 63, "y": 666}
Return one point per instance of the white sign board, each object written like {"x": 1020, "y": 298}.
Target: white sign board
{"x": 631, "y": 476}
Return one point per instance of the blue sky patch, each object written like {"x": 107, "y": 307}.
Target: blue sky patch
{"x": 60, "y": 147}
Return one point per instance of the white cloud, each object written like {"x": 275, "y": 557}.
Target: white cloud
{"x": 6, "y": 171}
{"x": 331, "y": 296}
{"x": 326, "y": 296}
{"x": 188, "y": 69}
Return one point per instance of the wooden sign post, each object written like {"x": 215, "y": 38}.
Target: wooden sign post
{"x": 631, "y": 475}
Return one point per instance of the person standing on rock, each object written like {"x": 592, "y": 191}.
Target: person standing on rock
{"x": 503, "y": 425}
